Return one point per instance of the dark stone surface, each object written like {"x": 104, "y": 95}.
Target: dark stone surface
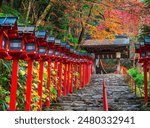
{"x": 120, "y": 98}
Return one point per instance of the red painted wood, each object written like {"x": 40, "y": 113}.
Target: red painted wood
{"x": 76, "y": 77}
{"x": 65, "y": 80}
{"x": 14, "y": 85}
{"x": 60, "y": 80}
{"x": 71, "y": 79}
{"x": 55, "y": 69}
{"x": 105, "y": 101}
{"x": 1, "y": 38}
{"x": 29, "y": 86}
{"x": 145, "y": 83}
{"x": 68, "y": 81}
{"x": 40, "y": 86}
{"x": 48, "y": 84}
{"x": 81, "y": 76}
{"x": 87, "y": 74}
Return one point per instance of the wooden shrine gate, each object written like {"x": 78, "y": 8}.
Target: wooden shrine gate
{"x": 107, "y": 49}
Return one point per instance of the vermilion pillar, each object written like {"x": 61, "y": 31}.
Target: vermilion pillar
{"x": 14, "y": 85}
{"x": 65, "y": 80}
{"x": 29, "y": 85}
{"x": 89, "y": 71}
{"x": 145, "y": 83}
{"x": 81, "y": 76}
{"x": 48, "y": 84}
{"x": 85, "y": 75}
{"x": 60, "y": 79}
{"x": 105, "y": 102}
{"x": 71, "y": 79}
{"x": 40, "y": 86}
{"x": 55, "y": 77}
{"x": 76, "y": 77}
{"x": 68, "y": 80}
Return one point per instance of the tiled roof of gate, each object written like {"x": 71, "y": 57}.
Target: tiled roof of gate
{"x": 117, "y": 41}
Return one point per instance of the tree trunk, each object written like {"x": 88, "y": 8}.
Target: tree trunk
{"x": 17, "y": 4}
{"x": 12, "y": 3}
{"x": 81, "y": 34}
{"x": 84, "y": 26}
{"x": 43, "y": 16}
{"x": 28, "y": 11}
{"x": 1, "y": 2}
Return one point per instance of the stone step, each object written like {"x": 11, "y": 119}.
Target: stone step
{"x": 90, "y": 98}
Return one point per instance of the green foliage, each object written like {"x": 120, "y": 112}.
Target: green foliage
{"x": 144, "y": 33}
{"x": 138, "y": 77}
{"x": 8, "y": 11}
{"x": 5, "y": 80}
{"x": 5, "y": 77}
{"x": 133, "y": 72}
{"x": 147, "y": 2}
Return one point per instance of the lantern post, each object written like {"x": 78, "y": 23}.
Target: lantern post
{"x": 76, "y": 70}
{"x": 71, "y": 59}
{"x": 28, "y": 34}
{"x": 42, "y": 52}
{"x": 146, "y": 55}
{"x": 6, "y": 24}
{"x": 85, "y": 68}
{"x": 77, "y": 67}
{"x": 68, "y": 68}
{"x": 81, "y": 71}
{"x": 74, "y": 80}
{"x": 50, "y": 40}
{"x": 62, "y": 61}
{"x": 66, "y": 51}
{"x": 56, "y": 61}
{"x": 141, "y": 49}
{"x": 16, "y": 51}
{"x": 58, "y": 67}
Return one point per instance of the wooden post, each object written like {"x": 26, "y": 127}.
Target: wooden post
{"x": 14, "y": 85}
{"x": 145, "y": 83}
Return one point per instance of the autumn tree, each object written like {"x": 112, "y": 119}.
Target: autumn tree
{"x": 74, "y": 20}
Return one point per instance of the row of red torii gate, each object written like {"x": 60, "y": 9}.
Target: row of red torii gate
{"x": 24, "y": 43}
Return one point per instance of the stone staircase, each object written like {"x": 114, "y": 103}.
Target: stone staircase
{"x": 120, "y": 97}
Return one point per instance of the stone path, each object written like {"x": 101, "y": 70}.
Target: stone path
{"x": 120, "y": 98}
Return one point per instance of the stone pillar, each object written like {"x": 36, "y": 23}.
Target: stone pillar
{"x": 118, "y": 66}
{"x": 118, "y": 56}
{"x": 94, "y": 67}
